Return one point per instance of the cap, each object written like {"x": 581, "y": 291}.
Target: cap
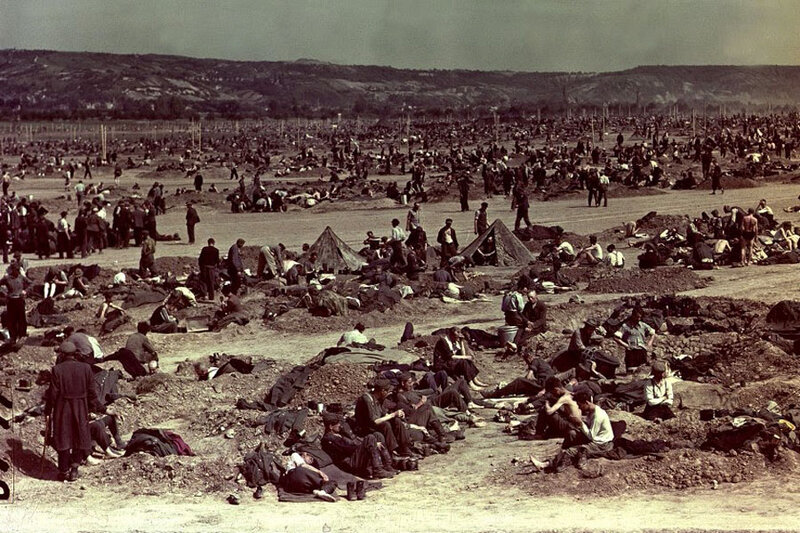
{"x": 67, "y": 347}
{"x": 659, "y": 367}
{"x": 382, "y": 384}
{"x": 592, "y": 321}
{"x": 330, "y": 419}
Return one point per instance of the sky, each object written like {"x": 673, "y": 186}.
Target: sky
{"x": 520, "y": 35}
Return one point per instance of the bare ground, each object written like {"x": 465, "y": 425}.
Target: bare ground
{"x": 455, "y": 492}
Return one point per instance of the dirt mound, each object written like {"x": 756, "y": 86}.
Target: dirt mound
{"x": 782, "y": 391}
{"x": 176, "y": 265}
{"x": 142, "y": 473}
{"x": 784, "y": 313}
{"x": 658, "y": 280}
{"x": 731, "y": 182}
{"x": 653, "y": 222}
{"x": 335, "y": 383}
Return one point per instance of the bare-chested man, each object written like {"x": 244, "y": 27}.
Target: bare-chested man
{"x": 749, "y": 232}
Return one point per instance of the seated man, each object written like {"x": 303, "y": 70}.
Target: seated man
{"x": 371, "y": 417}
{"x": 231, "y": 311}
{"x": 452, "y": 355}
{"x": 614, "y": 257}
{"x": 591, "y": 255}
{"x": 560, "y": 417}
{"x": 581, "y": 338}
{"x": 102, "y": 430}
{"x": 112, "y": 315}
{"x": 658, "y": 395}
{"x": 596, "y": 437}
{"x": 417, "y": 409}
{"x": 535, "y": 320}
{"x": 162, "y": 321}
{"x": 365, "y": 457}
{"x": 357, "y": 339}
{"x": 139, "y": 345}
{"x": 302, "y": 477}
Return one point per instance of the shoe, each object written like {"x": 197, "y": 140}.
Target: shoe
{"x": 473, "y": 405}
{"x": 259, "y": 493}
{"x": 111, "y": 453}
{"x": 361, "y": 490}
{"x": 352, "y": 495}
{"x": 541, "y": 465}
{"x": 233, "y": 499}
{"x": 73, "y": 474}
{"x": 93, "y": 461}
{"x": 380, "y": 473}
{"x": 324, "y": 496}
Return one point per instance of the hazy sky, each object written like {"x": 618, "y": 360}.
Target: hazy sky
{"x": 526, "y": 35}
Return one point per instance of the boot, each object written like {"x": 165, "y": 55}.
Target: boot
{"x": 361, "y": 490}
{"x": 438, "y": 430}
{"x": 386, "y": 460}
{"x": 351, "y": 491}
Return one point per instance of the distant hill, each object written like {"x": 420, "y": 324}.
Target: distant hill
{"x": 75, "y": 84}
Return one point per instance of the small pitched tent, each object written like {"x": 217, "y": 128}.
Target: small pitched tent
{"x": 503, "y": 249}
{"x": 334, "y": 255}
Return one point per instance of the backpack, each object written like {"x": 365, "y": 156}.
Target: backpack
{"x": 508, "y": 298}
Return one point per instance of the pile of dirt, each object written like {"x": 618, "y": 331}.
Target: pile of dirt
{"x": 146, "y": 474}
{"x": 176, "y": 265}
{"x": 731, "y": 182}
{"x": 783, "y": 391}
{"x": 654, "y": 223}
{"x": 664, "y": 280}
{"x": 335, "y": 383}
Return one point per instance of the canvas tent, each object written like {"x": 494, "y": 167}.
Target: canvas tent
{"x": 334, "y": 255}
{"x": 509, "y": 249}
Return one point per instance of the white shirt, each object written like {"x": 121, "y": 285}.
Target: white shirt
{"x": 658, "y": 394}
{"x": 597, "y": 427}
{"x": 615, "y": 259}
{"x": 351, "y": 337}
{"x": 566, "y": 247}
{"x": 294, "y": 461}
{"x": 398, "y": 234}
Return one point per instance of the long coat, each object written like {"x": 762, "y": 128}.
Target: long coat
{"x": 71, "y": 395}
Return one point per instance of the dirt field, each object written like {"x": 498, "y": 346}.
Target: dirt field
{"x": 455, "y": 492}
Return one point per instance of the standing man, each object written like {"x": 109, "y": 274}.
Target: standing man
{"x": 522, "y": 203}
{"x": 63, "y": 242}
{"x": 414, "y": 218}
{"x": 72, "y": 394}
{"x": 448, "y": 240}
{"x": 637, "y": 338}
{"x": 208, "y": 262}
{"x": 481, "y": 219}
{"x": 148, "y": 258}
{"x": 716, "y": 178}
{"x": 198, "y": 182}
{"x": 749, "y": 233}
{"x": 463, "y": 191}
{"x": 80, "y": 190}
{"x": 235, "y": 265}
{"x": 16, "y": 282}
{"x": 192, "y": 218}
{"x": 396, "y": 242}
